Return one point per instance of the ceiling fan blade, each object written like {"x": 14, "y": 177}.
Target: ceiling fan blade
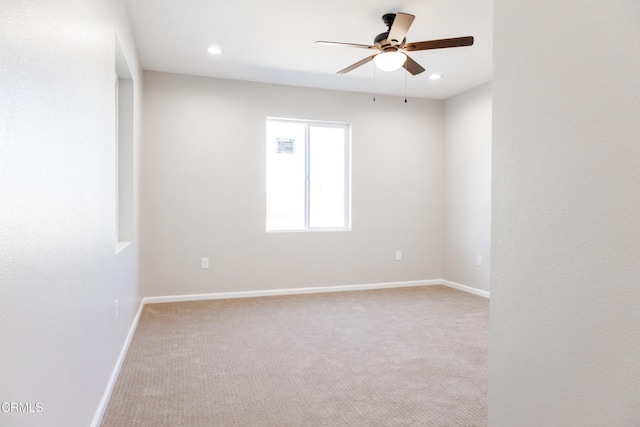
{"x": 363, "y": 46}
{"x": 357, "y": 64}
{"x": 400, "y": 26}
{"x": 439, "y": 44}
{"x": 412, "y": 66}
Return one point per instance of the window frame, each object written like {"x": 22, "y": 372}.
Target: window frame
{"x": 346, "y": 127}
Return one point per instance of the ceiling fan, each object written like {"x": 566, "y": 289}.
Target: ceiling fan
{"x": 392, "y": 45}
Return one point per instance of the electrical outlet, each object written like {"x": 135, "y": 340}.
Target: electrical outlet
{"x": 398, "y": 255}
{"x": 205, "y": 262}
{"x": 479, "y": 260}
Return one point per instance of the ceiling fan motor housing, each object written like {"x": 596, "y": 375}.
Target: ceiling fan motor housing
{"x": 382, "y": 39}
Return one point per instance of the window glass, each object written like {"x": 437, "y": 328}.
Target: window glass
{"x": 307, "y": 175}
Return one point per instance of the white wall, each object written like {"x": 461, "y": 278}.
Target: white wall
{"x": 467, "y": 188}
{"x": 59, "y": 275}
{"x": 204, "y": 189}
{"x": 565, "y": 291}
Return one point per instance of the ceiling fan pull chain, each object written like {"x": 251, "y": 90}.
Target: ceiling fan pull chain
{"x": 405, "y": 86}
{"x": 374, "y": 83}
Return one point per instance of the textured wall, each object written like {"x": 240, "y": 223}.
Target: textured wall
{"x": 565, "y": 291}
{"x": 467, "y": 188}
{"x": 59, "y": 275}
{"x": 204, "y": 189}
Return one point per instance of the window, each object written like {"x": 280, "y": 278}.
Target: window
{"x": 308, "y": 176}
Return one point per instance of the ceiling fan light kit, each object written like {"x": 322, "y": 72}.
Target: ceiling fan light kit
{"x": 392, "y": 45}
{"x": 390, "y": 61}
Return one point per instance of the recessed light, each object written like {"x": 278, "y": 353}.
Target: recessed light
{"x": 214, "y": 50}
{"x": 435, "y": 76}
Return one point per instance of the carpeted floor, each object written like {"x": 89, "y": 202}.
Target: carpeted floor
{"x": 394, "y": 357}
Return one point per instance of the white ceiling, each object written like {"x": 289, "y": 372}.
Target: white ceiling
{"x": 273, "y": 42}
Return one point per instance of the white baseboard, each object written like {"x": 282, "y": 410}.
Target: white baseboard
{"x": 97, "y": 418}
{"x": 312, "y": 290}
{"x": 466, "y": 288}
{"x": 290, "y": 291}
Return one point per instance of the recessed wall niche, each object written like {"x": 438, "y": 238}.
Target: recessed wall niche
{"x": 124, "y": 160}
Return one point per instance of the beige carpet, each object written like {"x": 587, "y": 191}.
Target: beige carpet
{"x": 393, "y": 357}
